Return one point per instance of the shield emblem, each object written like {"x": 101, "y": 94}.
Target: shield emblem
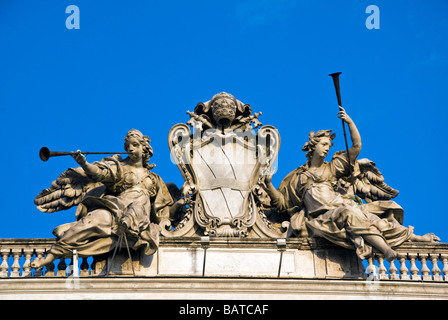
{"x": 223, "y": 167}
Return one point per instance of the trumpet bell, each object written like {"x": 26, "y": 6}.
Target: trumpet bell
{"x": 44, "y": 154}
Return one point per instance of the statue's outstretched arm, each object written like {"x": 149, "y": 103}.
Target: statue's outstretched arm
{"x": 93, "y": 171}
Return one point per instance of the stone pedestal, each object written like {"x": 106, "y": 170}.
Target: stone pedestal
{"x": 229, "y": 257}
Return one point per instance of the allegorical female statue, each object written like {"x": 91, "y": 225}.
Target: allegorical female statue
{"x": 115, "y": 196}
{"x": 325, "y": 197}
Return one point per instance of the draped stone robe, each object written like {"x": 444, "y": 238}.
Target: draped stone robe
{"x": 335, "y": 216}
{"x": 127, "y": 198}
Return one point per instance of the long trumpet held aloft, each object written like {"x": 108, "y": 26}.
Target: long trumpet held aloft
{"x": 46, "y": 154}
{"x": 335, "y": 77}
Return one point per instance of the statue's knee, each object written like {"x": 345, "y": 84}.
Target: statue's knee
{"x": 382, "y": 224}
{"x": 354, "y": 217}
{"x": 99, "y": 216}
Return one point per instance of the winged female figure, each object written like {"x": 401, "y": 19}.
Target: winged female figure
{"x": 326, "y": 198}
{"x": 114, "y": 196}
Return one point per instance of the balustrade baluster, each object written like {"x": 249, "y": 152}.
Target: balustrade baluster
{"x": 435, "y": 268}
{"x": 425, "y": 270}
{"x": 49, "y": 269}
{"x": 28, "y": 253}
{"x": 393, "y": 275}
{"x": 15, "y": 268}
{"x": 84, "y": 268}
{"x": 403, "y": 268}
{"x": 382, "y": 271}
{"x": 444, "y": 258}
{"x": 414, "y": 270}
{"x": 61, "y": 268}
{"x": 4, "y": 267}
{"x": 71, "y": 268}
{"x": 371, "y": 269}
{"x": 39, "y": 254}
{"x": 93, "y": 266}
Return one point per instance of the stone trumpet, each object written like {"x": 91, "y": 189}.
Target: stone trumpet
{"x": 337, "y": 88}
{"x": 46, "y": 154}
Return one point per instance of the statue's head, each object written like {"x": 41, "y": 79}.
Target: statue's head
{"x": 222, "y": 110}
{"x": 144, "y": 142}
{"x": 315, "y": 138}
{"x": 224, "y": 107}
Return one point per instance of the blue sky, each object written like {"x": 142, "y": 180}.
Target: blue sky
{"x": 143, "y": 64}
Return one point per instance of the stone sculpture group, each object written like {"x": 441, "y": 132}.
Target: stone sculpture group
{"x": 227, "y": 164}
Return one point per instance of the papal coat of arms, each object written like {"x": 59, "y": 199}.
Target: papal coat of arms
{"x": 222, "y": 161}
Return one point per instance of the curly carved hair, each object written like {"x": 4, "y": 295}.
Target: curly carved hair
{"x": 313, "y": 140}
{"x": 144, "y": 141}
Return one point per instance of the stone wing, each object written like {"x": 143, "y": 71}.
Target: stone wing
{"x": 66, "y": 191}
{"x": 369, "y": 184}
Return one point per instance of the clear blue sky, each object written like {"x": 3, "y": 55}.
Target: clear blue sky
{"x": 143, "y": 64}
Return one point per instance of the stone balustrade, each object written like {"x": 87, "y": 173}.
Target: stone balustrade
{"x": 17, "y": 255}
{"x": 416, "y": 261}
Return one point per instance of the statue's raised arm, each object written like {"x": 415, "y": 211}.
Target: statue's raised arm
{"x": 355, "y": 149}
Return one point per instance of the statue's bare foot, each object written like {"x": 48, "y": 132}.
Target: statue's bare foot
{"x": 429, "y": 237}
{"x": 40, "y": 262}
{"x": 37, "y": 263}
{"x": 390, "y": 255}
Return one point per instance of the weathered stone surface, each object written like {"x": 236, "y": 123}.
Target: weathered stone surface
{"x": 238, "y": 258}
{"x": 310, "y": 270}
{"x": 218, "y": 289}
